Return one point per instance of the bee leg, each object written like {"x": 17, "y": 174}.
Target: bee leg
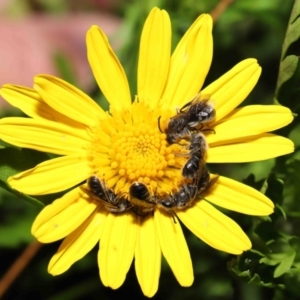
{"x": 114, "y": 210}
{"x": 141, "y": 212}
{"x": 119, "y": 207}
{"x": 173, "y": 216}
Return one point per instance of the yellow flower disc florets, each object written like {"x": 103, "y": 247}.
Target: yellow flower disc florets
{"x": 129, "y": 147}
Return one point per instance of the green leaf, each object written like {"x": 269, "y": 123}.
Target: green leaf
{"x": 247, "y": 276}
{"x": 20, "y": 195}
{"x": 248, "y": 269}
{"x": 13, "y": 161}
{"x": 257, "y": 252}
{"x": 293, "y": 30}
{"x": 273, "y": 259}
{"x": 295, "y": 11}
{"x": 292, "y": 35}
{"x": 264, "y": 187}
{"x": 285, "y": 265}
{"x": 281, "y": 210}
{"x": 257, "y": 281}
{"x": 259, "y": 245}
{"x": 287, "y": 69}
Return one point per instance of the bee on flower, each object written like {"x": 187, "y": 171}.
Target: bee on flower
{"x": 133, "y": 143}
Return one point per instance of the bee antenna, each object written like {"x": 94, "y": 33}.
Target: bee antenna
{"x": 158, "y": 123}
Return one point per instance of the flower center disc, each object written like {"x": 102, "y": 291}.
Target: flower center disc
{"x": 129, "y": 147}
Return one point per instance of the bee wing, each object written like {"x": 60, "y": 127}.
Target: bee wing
{"x": 213, "y": 181}
{"x": 205, "y": 98}
{"x": 202, "y": 97}
{"x": 211, "y": 103}
{"x": 91, "y": 195}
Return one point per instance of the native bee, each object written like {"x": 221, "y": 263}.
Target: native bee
{"x": 204, "y": 182}
{"x": 189, "y": 118}
{"x": 141, "y": 198}
{"x": 112, "y": 202}
{"x": 177, "y": 129}
{"x": 197, "y": 154}
{"x": 188, "y": 192}
{"x": 199, "y": 112}
{"x": 181, "y": 199}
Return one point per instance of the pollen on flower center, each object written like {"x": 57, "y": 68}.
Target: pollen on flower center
{"x": 129, "y": 149}
{"x": 141, "y": 154}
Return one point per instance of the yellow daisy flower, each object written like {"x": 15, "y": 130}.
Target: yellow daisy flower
{"x": 126, "y": 145}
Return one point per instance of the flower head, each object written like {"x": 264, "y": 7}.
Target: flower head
{"x": 128, "y": 145}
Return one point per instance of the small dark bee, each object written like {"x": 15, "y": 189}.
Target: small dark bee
{"x": 189, "y": 118}
{"x": 204, "y": 182}
{"x": 177, "y": 129}
{"x": 199, "y": 112}
{"x": 180, "y": 199}
{"x": 141, "y": 198}
{"x": 112, "y": 202}
{"x": 188, "y": 193}
{"x": 142, "y": 202}
{"x": 197, "y": 154}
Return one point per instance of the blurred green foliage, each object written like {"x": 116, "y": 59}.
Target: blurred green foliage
{"x": 271, "y": 270}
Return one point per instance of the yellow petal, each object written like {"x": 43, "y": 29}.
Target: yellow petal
{"x": 250, "y": 120}
{"x": 214, "y": 228}
{"x": 154, "y": 56}
{"x": 77, "y": 244}
{"x": 56, "y": 207}
{"x": 43, "y": 135}
{"x": 239, "y": 197}
{"x": 117, "y": 248}
{"x": 68, "y": 100}
{"x": 31, "y": 103}
{"x": 63, "y": 216}
{"x": 233, "y": 87}
{"x": 52, "y": 176}
{"x": 189, "y": 63}
{"x": 147, "y": 256}
{"x": 107, "y": 69}
{"x": 174, "y": 247}
{"x": 260, "y": 147}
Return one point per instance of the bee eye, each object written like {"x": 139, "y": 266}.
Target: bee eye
{"x": 167, "y": 204}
